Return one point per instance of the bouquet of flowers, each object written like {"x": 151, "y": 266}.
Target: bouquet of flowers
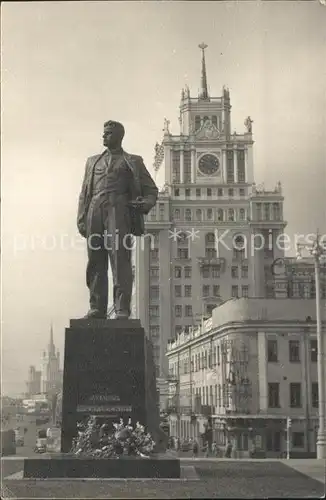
{"x": 100, "y": 442}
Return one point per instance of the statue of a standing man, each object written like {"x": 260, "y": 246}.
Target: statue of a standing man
{"x": 117, "y": 191}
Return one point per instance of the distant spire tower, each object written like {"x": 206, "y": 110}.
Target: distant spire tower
{"x": 203, "y": 94}
{"x": 51, "y": 343}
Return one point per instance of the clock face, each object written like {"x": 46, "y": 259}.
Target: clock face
{"x": 208, "y": 164}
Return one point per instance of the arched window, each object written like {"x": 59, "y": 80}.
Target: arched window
{"x": 197, "y": 122}
{"x": 206, "y": 118}
{"x": 199, "y": 214}
{"x": 182, "y": 239}
{"x": 239, "y": 250}
{"x": 209, "y": 214}
{"x": 242, "y": 214}
{"x": 188, "y": 214}
{"x": 231, "y": 214}
{"x": 220, "y": 215}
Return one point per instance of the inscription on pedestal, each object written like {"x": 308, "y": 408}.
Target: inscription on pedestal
{"x": 104, "y": 374}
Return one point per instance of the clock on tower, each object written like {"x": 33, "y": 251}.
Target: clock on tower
{"x": 208, "y": 165}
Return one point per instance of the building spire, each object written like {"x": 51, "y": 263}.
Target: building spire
{"x": 51, "y": 343}
{"x": 203, "y": 94}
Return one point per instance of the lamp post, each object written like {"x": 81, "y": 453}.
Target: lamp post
{"x": 317, "y": 250}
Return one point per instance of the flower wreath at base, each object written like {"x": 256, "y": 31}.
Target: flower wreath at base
{"x": 100, "y": 442}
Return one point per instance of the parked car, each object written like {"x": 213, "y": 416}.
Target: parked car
{"x": 40, "y": 445}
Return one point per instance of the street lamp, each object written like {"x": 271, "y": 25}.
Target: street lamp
{"x": 316, "y": 249}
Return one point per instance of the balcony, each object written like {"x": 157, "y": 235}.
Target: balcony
{"x": 214, "y": 261}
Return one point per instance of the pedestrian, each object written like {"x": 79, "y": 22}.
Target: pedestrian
{"x": 195, "y": 449}
{"x": 214, "y": 448}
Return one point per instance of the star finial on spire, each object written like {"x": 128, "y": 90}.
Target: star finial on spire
{"x": 203, "y": 88}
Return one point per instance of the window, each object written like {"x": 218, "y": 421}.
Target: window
{"x": 245, "y": 291}
{"x": 175, "y": 166}
{"x": 154, "y": 254}
{"x": 199, "y": 214}
{"x": 220, "y": 215}
{"x": 198, "y": 192}
{"x": 154, "y": 272}
{"x": 209, "y": 309}
{"x": 214, "y": 121}
{"x": 197, "y": 122}
{"x": 244, "y": 272}
{"x": 182, "y": 253}
{"x": 229, "y": 167}
{"x": 313, "y": 351}
{"x": 210, "y": 253}
{"x": 234, "y": 292}
{"x": 219, "y": 192}
{"x": 276, "y": 211}
{"x": 177, "y": 272}
{"x": 209, "y": 192}
{"x": 176, "y": 192}
{"x": 205, "y": 272}
{"x": 187, "y": 290}
{"x": 177, "y": 214}
{"x": 241, "y": 166}
{"x": 215, "y": 272}
{"x": 294, "y": 351}
{"x": 178, "y": 311}
{"x": 231, "y": 214}
{"x": 188, "y": 214}
{"x": 241, "y": 192}
{"x": 205, "y": 290}
{"x": 295, "y": 395}
{"x": 298, "y": 439}
{"x": 242, "y": 214}
{"x": 314, "y": 394}
{"x": 234, "y": 271}
{"x": 177, "y": 290}
{"x": 216, "y": 290}
{"x": 266, "y": 211}
{"x": 178, "y": 330}
{"x": 274, "y": 395}
{"x": 209, "y": 238}
{"x": 272, "y": 351}
{"x": 188, "y": 311}
{"x": 187, "y": 193}
{"x": 187, "y": 272}
{"x": 258, "y": 211}
{"x": 154, "y": 331}
{"x": 154, "y": 292}
{"x": 154, "y": 311}
{"x": 209, "y": 214}
{"x": 187, "y": 166}
{"x": 153, "y": 213}
{"x": 230, "y": 192}
{"x": 162, "y": 211}
{"x": 273, "y": 440}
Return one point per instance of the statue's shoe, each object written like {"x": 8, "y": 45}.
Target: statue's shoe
{"x": 122, "y": 315}
{"x": 95, "y": 314}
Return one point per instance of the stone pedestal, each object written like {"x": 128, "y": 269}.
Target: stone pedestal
{"x": 108, "y": 372}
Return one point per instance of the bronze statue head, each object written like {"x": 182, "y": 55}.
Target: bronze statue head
{"x": 113, "y": 134}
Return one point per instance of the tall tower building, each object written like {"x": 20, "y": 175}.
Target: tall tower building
{"x": 51, "y": 374}
{"x": 212, "y": 235}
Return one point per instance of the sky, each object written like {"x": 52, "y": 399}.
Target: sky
{"x": 67, "y": 67}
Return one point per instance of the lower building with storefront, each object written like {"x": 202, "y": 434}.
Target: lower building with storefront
{"x": 250, "y": 370}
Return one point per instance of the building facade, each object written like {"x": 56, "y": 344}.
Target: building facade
{"x": 212, "y": 232}
{"x": 33, "y": 384}
{"x": 249, "y": 368}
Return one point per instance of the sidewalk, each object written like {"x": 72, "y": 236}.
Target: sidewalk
{"x": 311, "y": 467}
